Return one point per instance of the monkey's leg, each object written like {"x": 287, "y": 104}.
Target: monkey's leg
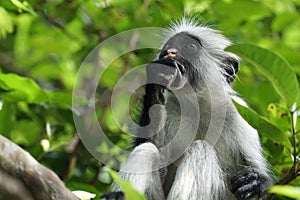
{"x": 198, "y": 175}
{"x": 141, "y": 169}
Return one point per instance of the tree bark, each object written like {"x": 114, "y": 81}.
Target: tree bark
{"x": 22, "y": 173}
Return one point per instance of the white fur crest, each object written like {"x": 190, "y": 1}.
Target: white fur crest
{"x": 210, "y": 38}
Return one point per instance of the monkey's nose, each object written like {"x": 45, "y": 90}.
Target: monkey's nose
{"x": 172, "y": 52}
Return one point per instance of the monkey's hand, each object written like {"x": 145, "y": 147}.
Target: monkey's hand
{"x": 167, "y": 72}
{"x": 247, "y": 184}
{"x": 113, "y": 196}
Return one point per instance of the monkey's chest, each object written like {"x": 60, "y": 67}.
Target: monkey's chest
{"x": 181, "y": 131}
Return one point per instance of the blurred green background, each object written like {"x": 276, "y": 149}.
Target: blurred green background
{"x": 45, "y": 42}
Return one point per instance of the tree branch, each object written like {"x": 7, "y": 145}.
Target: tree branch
{"x": 40, "y": 182}
{"x": 12, "y": 188}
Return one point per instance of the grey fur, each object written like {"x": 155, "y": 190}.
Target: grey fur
{"x": 224, "y": 144}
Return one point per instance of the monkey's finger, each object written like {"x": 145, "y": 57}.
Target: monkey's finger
{"x": 181, "y": 68}
{"x": 158, "y": 68}
{"x": 248, "y": 191}
{"x": 159, "y": 73}
{"x": 245, "y": 174}
{"x": 113, "y": 196}
{"x": 238, "y": 182}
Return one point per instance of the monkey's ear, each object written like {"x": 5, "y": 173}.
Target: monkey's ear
{"x": 231, "y": 67}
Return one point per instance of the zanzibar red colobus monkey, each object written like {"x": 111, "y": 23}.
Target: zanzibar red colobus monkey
{"x": 192, "y": 60}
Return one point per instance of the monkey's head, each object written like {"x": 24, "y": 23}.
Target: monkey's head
{"x": 194, "y": 54}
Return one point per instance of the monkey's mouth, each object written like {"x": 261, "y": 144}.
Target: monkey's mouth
{"x": 167, "y": 72}
{"x": 172, "y": 63}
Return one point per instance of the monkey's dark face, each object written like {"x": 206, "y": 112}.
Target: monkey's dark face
{"x": 170, "y": 70}
{"x": 183, "y": 47}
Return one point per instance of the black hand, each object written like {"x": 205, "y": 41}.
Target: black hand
{"x": 247, "y": 184}
{"x": 113, "y": 196}
{"x": 167, "y": 73}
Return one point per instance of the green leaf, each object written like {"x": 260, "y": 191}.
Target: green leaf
{"x": 60, "y": 98}
{"x": 25, "y": 132}
{"x": 262, "y": 125}
{"x": 8, "y": 117}
{"x": 21, "y": 89}
{"x": 127, "y": 188}
{"x": 242, "y": 9}
{"x": 23, "y": 6}
{"x": 6, "y": 24}
{"x": 17, "y": 88}
{"x": 227, "y": 12}
{"x": 286, "y": 190}
{"x": 275, "y": 68}
{"x": 21, "y": 46}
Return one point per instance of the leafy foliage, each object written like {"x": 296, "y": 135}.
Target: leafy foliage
{"x": 273, "y": 67}
{"x": 286, "y": 190}
{"x": 43, "y": 44}
{"x": 263, "y": 125}
{"x": 130, "y": 192}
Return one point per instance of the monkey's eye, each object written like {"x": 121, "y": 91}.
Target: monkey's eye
{"x": 192, "y": 46}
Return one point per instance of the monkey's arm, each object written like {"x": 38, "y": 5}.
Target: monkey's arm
{"x": 142, "y": 166}
{"x": 152, "y": 116}
{"x": 162, "y": 74}
{"x": 254, "y": 178}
